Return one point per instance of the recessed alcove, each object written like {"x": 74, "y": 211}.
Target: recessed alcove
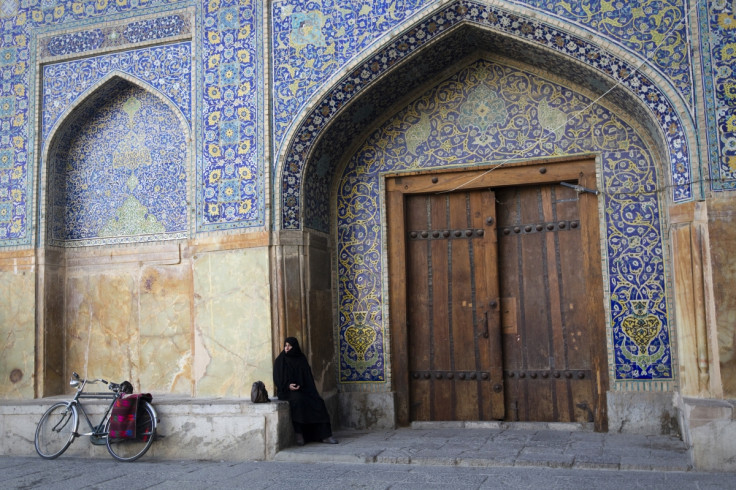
{"x": 114, "y": 204}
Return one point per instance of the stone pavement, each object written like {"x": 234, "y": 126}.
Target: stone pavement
{"x": 474, "y": 456}
{"x": 499, "y": 444}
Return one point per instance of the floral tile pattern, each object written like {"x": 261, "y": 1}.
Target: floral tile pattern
{"x": 231, "y": 188}
{"x": 166, "y": 68}
{"x": 118, "y": 170}
{"x": 313, "y": 39}
{"x": 438, "y": 131}
{"x": 718, "y": 50}
{"x": 621, "y": 72}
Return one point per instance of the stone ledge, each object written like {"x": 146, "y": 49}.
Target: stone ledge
{"x": 228, "y": 429}
{"x": 709, "y": 427}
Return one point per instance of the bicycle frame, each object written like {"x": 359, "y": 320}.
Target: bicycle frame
{"x": 98, "y": 431}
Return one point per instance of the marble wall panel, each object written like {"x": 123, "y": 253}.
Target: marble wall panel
{"x": 722, "y": 229}
{"x": 102, "y": 335}
{"x": 232, "y": 322}
{"x": 18, "y": 333}
{"x": 166, "y": 329}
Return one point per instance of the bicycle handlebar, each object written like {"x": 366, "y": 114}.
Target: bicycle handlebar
{"x": 76, "y": 380}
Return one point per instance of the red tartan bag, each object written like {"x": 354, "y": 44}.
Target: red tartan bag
{"x": 125, "y": 415}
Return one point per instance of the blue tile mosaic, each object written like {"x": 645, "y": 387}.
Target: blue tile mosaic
{"x": 655, "y": 30}
{"x": 313, "y": 39}
{"x": 427, "y": 32}
{"x": 150, "y": 29}
{"x": 77, "y": 42}
{"x": 718, "y": 51}
{"x": 118, "y": 170}
{"x": 511, "y": 109}
{"x": 147, "y": 30}
{"x": 231, "y": 193}
{"x": 166, "y": 68}
{"x": 29, "y": 26}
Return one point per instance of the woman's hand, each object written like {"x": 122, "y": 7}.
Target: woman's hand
{"x": 293, "y": 387}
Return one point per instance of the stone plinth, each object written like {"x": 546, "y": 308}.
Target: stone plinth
{"x": 709, "y": 430}
{"x": 228, "y": 429}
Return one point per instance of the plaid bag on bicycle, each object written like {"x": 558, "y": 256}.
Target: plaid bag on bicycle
{"x": 125, "y": 415}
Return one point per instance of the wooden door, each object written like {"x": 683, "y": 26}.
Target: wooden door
{"x": 548, "y": 283}
{"x": 546, "y": 344}
{"x": 455, "y": 362}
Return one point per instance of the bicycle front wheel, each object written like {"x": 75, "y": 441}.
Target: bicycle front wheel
{"x": 130, "y": 449}
{"x": 56, "y": 430}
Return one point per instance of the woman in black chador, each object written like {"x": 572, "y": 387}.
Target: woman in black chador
{"x": 294, "y": 382}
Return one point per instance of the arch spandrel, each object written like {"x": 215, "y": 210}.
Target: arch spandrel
{"x": 525, "y": 38}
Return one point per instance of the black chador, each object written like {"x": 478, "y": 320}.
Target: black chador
{"x": 308, "y": 411}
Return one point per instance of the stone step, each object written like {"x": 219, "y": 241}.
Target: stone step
{"x": 498, "y": 444}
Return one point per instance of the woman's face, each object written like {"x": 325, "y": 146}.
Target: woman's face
{"x": 287, "y": 347}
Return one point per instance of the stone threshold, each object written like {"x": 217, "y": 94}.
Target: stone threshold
{"x": 559, "y": 426}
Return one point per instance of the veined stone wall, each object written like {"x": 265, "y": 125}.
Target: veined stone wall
{"x": 176, "y": 319}
{"x": 17, "y": 326}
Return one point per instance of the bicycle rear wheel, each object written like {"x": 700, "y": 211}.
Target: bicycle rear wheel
{"x": 124, "y": 449}
{"x": 56, "y": 430}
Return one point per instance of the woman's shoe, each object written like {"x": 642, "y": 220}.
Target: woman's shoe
{"x": 299, "y": 440}
{"x": 330, "y": 440}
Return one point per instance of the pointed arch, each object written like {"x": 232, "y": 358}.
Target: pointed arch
{"x": 179, "y": 142}
{"x": 374, "y": 82}
{"x": 105, "y": 84}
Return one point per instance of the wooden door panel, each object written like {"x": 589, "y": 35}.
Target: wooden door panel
{"x": 488, "y": 312}
{"x": 462, "y": 304}
{"x": 450, "y": 246}
{"x": 547, "y": 350}
{"x": 444, "y": 392}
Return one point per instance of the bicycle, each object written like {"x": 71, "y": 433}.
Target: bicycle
{"x": 57, "y": 429}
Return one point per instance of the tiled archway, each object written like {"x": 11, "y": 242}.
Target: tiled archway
{"x": 447, "y": 35}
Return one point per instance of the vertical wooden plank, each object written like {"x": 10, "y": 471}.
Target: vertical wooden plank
{"x": 397, "y": 302}
{"x": 559, "y": 399}
{"x": 418, "y": 306}
{"x": 461, "y": 302}
{"x": 444, "y": 399}
{"x": 511, "y": 292}
{"x": 488, "y": 310}
{"x": 535, "y": 334}
{"x": 593, "y": 304}
{"x": 573, "y": 294}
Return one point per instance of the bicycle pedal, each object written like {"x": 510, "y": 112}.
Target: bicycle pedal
{"x": 98, "y": 440}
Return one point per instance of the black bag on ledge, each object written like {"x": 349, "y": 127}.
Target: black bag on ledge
{"x": 258, "y": 393}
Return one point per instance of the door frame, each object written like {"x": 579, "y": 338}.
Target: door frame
{"x": 580, "y": 170}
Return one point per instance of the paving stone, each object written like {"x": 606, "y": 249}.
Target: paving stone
{"x": 195, "y": 475}
{"x": 404, "y": 458}
{"x": 545, "y": 459}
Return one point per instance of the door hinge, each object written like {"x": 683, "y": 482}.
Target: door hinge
{"x": 580, "y": 188}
